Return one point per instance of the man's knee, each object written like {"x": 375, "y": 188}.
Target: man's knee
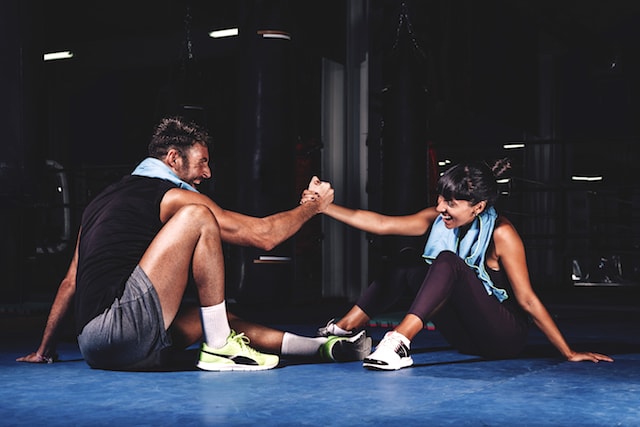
{"x": 199, "y": 215}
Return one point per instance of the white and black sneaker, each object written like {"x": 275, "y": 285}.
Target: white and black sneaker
{"x": 346, "y": 349}
{"x": 391, "y": 354}
{"x": 333, "y": 330}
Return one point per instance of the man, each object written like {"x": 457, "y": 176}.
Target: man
{"x": 139, "y": 242}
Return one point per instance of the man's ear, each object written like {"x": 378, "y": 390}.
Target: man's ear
{"x": 172, "y": 157}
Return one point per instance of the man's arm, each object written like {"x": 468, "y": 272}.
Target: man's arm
{"x": 236, "y": 228}
{"x": 46, "y": 352}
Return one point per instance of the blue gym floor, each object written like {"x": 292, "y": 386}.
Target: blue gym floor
{"x": 442, "y": 388}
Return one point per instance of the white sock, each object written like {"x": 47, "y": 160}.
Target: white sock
{"x": 338, "y": 331}
{"x": 215, "y": 325}
{"x": 296, "y": 345}
{"x": 399, "y": 336}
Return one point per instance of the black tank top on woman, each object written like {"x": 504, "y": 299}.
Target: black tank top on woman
{"x": 117, "y": 228}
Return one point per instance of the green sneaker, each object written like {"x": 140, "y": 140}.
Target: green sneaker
{"x": 346, "y": 349}
{"x": 236, "y": 355}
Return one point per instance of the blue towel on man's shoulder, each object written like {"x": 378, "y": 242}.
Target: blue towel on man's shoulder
{"x": 155, "y": 168}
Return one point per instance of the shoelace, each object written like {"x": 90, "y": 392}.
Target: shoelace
{"x": 331, "y": 330}
{"x": 324, "y": 331}
{"x": 243, "y": 341}
{"x": 391, "y": 343}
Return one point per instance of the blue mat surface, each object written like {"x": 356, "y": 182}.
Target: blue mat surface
{"x": 443, "y": 388}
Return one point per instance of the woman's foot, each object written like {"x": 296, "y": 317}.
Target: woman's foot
{"x": 391, "y": 354}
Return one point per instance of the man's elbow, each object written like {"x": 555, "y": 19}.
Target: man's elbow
{"x": 265, "y": 237}
{"x": 68, "y": 285}
{"x": 267, "y": 245}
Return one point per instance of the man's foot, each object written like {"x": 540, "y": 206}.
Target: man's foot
{"x": 391, "y": 354}
{"x": 346, "y": 349}
{"x": 236, "y": 355}
{"x": 331, "y": 329}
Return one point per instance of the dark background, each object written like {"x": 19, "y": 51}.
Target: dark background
{"x": 560, "y": 75}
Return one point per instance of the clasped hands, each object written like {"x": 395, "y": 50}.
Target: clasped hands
{"x": 318, "y": 191}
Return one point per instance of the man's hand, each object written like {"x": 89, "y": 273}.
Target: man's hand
{"x": 37, "y": 358}
{"x": 318, "y": 191}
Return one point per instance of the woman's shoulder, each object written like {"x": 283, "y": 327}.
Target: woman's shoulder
{"x": 502, "y": 220}
{"x": 504, "y": 229}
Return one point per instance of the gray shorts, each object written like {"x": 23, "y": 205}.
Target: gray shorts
{"x": 130, "y": 334}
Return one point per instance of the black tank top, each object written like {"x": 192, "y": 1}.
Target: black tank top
{"x": 117, "y": 228}
{"x": 500, "y": 280}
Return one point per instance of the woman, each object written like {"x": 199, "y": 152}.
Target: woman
{"x": 474, "y": 285}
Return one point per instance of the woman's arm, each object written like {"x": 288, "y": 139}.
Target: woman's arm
{"x": 372, "y": 222}
{"x": 511, "y": 253}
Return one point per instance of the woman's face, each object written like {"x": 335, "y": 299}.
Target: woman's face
{"x": 458, "y": 213}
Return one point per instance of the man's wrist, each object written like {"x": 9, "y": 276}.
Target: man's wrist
{"x": 45, "y": 359}
{"x": 312, "y": 206}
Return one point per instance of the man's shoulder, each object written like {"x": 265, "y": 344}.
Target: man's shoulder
{"x": 186, "y": 196}
{"x": 147, "y": 181}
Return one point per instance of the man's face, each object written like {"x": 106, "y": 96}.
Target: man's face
{"x": 195, "y": 168}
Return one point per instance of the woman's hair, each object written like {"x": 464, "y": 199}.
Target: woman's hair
{"x": 472, "y": 181}
{"x": 174, "y": 132}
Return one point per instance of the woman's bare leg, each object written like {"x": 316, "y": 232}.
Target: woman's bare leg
{"x": 354, "y": 319}
{"x": 410, "y": 326}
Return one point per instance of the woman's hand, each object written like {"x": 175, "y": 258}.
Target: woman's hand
{"x": 318, "y": 191}
{"x": 308, "y": 196}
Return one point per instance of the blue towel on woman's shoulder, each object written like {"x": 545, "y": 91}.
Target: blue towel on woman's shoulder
{"x": 155, "y": 168}
{"x": 472, "y": 248}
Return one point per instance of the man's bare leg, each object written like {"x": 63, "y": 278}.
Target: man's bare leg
{"x": 189, "y": 240}
{"x": 186, "y": 328}
{"x": 262, "y": 337}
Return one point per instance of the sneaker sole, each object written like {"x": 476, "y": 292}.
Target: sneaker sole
{"x": 376, "y": 365}
{"x": 218, "y": 367}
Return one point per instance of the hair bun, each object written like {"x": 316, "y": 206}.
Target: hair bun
{"x": 501, "y": 166}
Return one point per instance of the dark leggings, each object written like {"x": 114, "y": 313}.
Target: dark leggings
{"x": 450, "y": 294}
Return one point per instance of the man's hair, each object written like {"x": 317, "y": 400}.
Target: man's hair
{"x": 174, "y": 132}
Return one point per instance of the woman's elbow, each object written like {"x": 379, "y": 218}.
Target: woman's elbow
{"x": 530, "y": 305}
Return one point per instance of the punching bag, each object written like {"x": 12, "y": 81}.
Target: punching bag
{"x": 265, "y": 148}
{"x": 404, "y": 146}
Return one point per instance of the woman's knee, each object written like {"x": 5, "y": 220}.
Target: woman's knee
{"x": 451, "y": 262}
{"x": 445, "y": 261}
{"x": 447, "y": 256}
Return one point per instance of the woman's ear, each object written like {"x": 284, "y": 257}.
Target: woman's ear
{"x": 479, "y": 207}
